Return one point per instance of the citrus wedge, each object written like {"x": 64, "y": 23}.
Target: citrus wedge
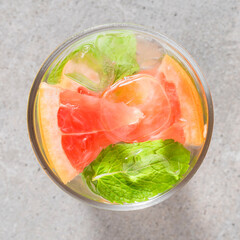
{"x": 189, "y": 99}
{"x": 48, "y": 100}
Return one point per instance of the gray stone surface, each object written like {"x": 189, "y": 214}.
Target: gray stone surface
{"x": 32, "y": 207}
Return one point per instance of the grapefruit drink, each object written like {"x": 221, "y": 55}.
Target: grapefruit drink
{"x": 118, "y": 116}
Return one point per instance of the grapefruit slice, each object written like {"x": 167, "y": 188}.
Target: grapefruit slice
{"x": 145, "y": 93}
{"x": 48, "y": 100}
{"x": 190, "y": 103}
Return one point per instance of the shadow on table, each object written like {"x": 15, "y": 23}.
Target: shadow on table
{"x": 176, "y": 218}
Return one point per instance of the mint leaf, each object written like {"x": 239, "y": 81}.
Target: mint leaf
{"x": 120, "y": 47}
{"x": 128, "y": 173}
{"x": 112, "y": 56}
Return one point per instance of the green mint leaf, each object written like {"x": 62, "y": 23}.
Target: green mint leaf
{"x": 120, "y": 47}
{"x": 112, "y": 56}
{"x": 128, "y": 173}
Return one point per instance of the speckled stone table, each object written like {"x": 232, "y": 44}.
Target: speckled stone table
{"x": 32, "y": 207}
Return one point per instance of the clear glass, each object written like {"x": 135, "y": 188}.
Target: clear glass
{"x": 76, "y": 187}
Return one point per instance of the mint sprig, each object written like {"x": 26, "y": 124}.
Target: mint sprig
{"x": 111, "y": 55}
{"x": 128, "y": 173}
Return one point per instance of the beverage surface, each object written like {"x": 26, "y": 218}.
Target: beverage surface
{"x": 120, "y": 117}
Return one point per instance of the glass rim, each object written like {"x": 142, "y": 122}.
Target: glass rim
{"x": 31, "y": 105}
